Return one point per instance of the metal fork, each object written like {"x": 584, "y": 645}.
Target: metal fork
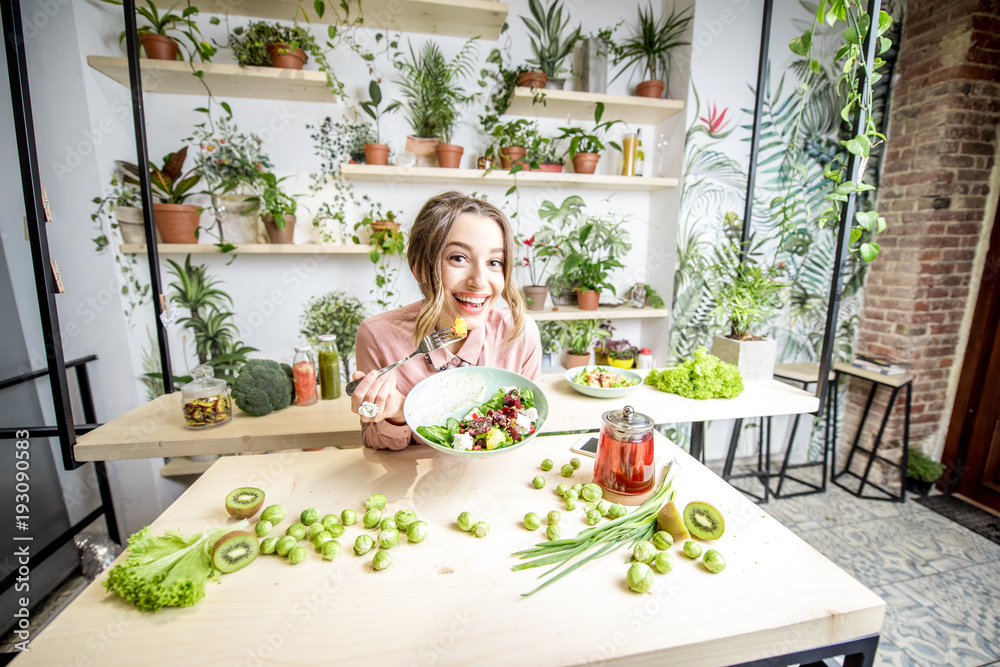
{"x": 431, "y": 341}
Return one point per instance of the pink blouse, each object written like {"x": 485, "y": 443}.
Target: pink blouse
{"x": 386, "y": 338}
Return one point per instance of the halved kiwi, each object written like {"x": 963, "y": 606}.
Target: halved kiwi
{"x": 669, "y": 519}
{"x": 244, "y": 502}
{"x": 704, "y": 521}
{"x": 234, "y": 551}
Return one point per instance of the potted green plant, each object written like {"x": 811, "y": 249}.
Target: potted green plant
{"x": 387, "y": 241}
{"x": 264, "y": 44}
{"x": 580, "y": 337}
{"x": 746, "y": 294}
{"x": 157, "y": 37}
{"x": 585, "y": 146}
{"x": 543, "y": 154}
{"x": 510, "y": 140}
{"x": 335, "y": 313}
{"x": 434, "y": 88}
{"x": 550, "y": 42}
{"x": 375, "y": 151}
{"x": 921, "y": 472}
{"x": 279, "y": 219}
{"x": 590, "y": 253}
{"x": 176, "y": 222}
{"x": 649, "y": 49}
{"x": 620, "y": 353}
{"x": 122, "y": 200}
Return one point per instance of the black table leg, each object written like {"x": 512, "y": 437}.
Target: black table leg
{"x": 698, "y": 441}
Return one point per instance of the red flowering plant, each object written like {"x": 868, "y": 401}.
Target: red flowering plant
{"x": 538, "y": 253}
{"x": 229, "y": 160}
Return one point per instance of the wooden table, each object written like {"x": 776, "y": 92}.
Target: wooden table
{"x": 156, "y": 429}
{"x": 453, "y": 599}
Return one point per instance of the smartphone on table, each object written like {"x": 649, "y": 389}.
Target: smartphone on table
{"x": 586, "y": 445}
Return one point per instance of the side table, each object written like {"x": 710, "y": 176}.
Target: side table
{"x": 894, "y": 383}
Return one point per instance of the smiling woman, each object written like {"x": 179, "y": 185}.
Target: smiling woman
{"x": 460, "y": 252}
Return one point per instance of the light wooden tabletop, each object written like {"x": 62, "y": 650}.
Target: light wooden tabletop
{"x": 453, "y": 599}
{"x": 156, "y": 429}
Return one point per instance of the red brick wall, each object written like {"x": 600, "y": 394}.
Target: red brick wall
{"x": 942, "y": 139}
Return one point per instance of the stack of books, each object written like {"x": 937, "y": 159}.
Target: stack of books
{"x": 880, "y": 365}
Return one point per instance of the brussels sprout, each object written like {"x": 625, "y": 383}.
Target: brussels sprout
{"x": 315, "y": 529}
{"x": 663, "y": 562}
{"x": 591, "y": 492}
{"x": 466, "y": 521}
{"x": 330, "y": 518}
{"x": 268, "y": 545}
{"x": 321, "y": 538}
{"x": 376, "y": 501}
{"x": 309, "y": 516}
{"x": 331, "y": 549}
{"x": 575, "y": 462}
{"x": 639, "y": 577}
{"x": 372, "y": 518}
{"x": 296, "y": 530}
{"x": 603, "y": 506}
{"x": 388, "y": 538}
{"x": 284, "y": 545}
{"x": 363, "y": 545}
{"x": 404, "y": 518}
{"x": 644, "y": 551}
{"x": 617, "y": 511}
{"x": 481, "y": 529}
{"x": 531, "y": 521}
{"x": 416, "y": 531}
{"x": 593, "y": 517}
{"x": 382, "y": 560}
{"x": 554, "y": 517}
{"x": 713, "y": 561}
{"x": 335, "y": 529}
{"x": 387, "y": 523}
{"x": 263, "y": 528}
{"x": 547, "y": 465}
{"x": 538, "y": 482}
{"x": 571, "y": 493}
{"x": 570, "y": 504}
{"x": 692, "y": 549}
{"x": 578, "y": 487}
{"x": 273, "y": 513}
{"x": 297, "y": 555}
{"x": 566, "y": 470}
{"x": 663, "y": 540}
{"x": 552, "y": 532}
{"x": 348, "y": 517}
{"x": 562, "y": 489}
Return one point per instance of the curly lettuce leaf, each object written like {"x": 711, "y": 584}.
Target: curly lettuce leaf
{"x": 701, "y": 377}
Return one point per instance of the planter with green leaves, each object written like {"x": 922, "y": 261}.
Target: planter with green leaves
{"x": 543, "y": 154}
{"x": 746, "y": 295}
{"x": 277, "y": 208}
{"x": 124, "y": 202}
{"x": 387, "y": 241}
{"x": 921, "y": 472}
{"x": 375, "y": 151}
{"x": 263, "y": 44}
{"x": 176, "y": 222}
{"x": 335, "y": 313}
{"x": 585, "y": 145}
{"x": 165, "y": 33}
{"x": 580, "y": 336}
{"x": 590, "y": 252}
{"x": 434, "y": 88}
{"x": 649, "y": 49}
{"x": 511, "y": 139}
{"x": 551, "y": 42}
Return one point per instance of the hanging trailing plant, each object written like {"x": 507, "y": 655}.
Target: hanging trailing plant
{"x": 333, "y": 143}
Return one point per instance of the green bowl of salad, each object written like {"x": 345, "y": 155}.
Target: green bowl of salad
{"x": 476, "y": 411}
{"x": 603, "y": 381}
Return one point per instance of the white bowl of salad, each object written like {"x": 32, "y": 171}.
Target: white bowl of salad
{"x": 603, "y": 381}
{"x": 475, "y": 411}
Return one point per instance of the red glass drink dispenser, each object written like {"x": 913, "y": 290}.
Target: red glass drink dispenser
{"x": 625, "y": 452}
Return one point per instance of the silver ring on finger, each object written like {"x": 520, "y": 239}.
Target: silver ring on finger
{"x": 368, "y": 409}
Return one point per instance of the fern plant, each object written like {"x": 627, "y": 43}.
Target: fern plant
{"x": 434, "y": 88}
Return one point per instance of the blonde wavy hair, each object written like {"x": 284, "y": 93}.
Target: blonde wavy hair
{"x": 425, "y": 249}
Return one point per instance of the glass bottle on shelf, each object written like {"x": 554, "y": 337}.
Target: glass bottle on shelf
{"x": 628, "y": 154}
{"x": 304, "y": 375}
{"x": 206, "y": 399}
{"x": 640, "y": 156}
{"x": 329, "y": 367}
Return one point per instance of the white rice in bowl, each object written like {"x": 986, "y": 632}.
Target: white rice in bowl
{"x": 444, "y": 395}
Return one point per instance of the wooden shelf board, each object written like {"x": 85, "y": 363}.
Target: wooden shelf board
{"x": 580, "y": 106}
{"x": 574, "y": 313}
{"x": 456, "y": 18}
{"x": 252, "y": 249}
{"x": 479, "y": 177}
{"x": 182, "y": 466}
{"x": 165, "y": 76}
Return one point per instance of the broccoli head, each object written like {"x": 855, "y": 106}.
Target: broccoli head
{"x": 262, "y": 387}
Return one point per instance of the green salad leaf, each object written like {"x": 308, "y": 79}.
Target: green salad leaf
{"x": 702, "y": 377}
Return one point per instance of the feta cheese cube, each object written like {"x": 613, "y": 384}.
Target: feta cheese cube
{"x": 462, "y": 441}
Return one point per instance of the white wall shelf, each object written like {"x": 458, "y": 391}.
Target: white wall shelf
{"x": 455, "y": 18}
{"x": 252, "y": 249}
{"x": 176, "y": 77}
{"x": 478, "y": 177}
{"x": 574, "y": 313}
{"x": 580, "y": 106}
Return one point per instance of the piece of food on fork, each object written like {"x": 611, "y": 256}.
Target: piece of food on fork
{"x": 459, "y": 328}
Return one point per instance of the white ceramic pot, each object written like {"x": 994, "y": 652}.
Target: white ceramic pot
{"x": 754, "y": 358}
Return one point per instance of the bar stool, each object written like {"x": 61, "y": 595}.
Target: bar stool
{"x": 895, "y": 383}
{"x": 805, "y": 374}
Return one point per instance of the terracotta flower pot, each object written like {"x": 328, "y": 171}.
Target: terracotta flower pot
{"x": 424, "y": 149}
{"x": 449, "y": 155}
{"x": 585, "y": 163}
{"x": 176, "y": 223}
{"x": 158, "y": 47}
{"x": 511, "y": 155}
{"x": 376, "y": 153}
{"x": 575, "y": 360}
{"x": 652, "y": 88}
{"x": 532, "y": 79}
{"x": 588, "y": 299}
{"x": 535, "y": 296}
{"x": 282, "y": 59}
{"x": 551, "y": 168}
{"x": 276, "y": 235}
